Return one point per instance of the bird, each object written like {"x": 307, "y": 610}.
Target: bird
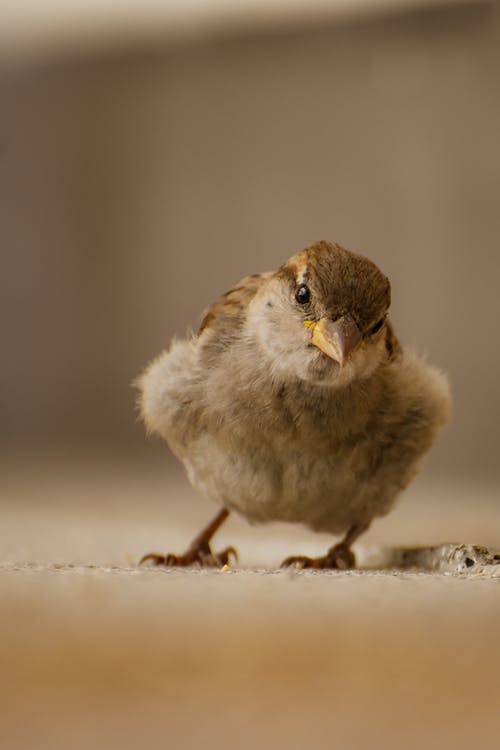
{"x": 296, "y": 402}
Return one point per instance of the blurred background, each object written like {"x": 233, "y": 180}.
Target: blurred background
{"x": 152, "y": 153}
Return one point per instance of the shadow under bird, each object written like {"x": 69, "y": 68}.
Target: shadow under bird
{"x": 296, "y": 402}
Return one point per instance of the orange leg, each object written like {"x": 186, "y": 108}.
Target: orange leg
{"x": 199, "y": 552}
{"x": 338, "y": 557}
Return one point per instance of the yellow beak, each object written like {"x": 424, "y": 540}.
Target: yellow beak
{"x": 338, "y": 339}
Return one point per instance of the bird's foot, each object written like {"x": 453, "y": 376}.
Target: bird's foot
{"x": 198, "y": 556}
{"x": 339, "y": 557}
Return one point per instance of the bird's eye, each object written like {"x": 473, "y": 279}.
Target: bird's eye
{"x": 376, "y": 327}
{"x": 303, "y": 295}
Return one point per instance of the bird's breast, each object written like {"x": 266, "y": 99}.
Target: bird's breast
{"x": 278, "y": 479}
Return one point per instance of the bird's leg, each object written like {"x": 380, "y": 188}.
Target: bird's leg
{"x": 338, "y": 557}
{"x": 199, "y": 552}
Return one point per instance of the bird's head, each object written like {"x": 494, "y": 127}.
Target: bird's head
{"x": 321, "y": 316}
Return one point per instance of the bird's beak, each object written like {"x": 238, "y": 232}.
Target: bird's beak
{"x": 337, "y": 339}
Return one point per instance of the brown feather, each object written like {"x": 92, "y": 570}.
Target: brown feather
{"x": 392, "y": 344}
{"x": 227, "y": 313}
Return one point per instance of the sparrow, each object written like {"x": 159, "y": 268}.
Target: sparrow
{"x": 296, "y": 402}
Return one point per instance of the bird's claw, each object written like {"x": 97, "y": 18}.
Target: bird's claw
{"x": 339, "y": 557}
{"x": 155, "y": 557}
{"x": 300, "y": 562}
{"x": 200, "y": 557}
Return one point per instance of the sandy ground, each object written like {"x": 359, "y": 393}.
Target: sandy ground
{"x": 98, "y": 653}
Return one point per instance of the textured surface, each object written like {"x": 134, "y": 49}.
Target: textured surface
{"x": 116, "y": 658}
{"x": 96, "y": 653}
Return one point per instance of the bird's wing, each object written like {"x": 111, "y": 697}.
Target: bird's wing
{"x": 226, "y": 315}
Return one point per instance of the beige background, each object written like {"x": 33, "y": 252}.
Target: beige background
{"x": 138, "y": 184}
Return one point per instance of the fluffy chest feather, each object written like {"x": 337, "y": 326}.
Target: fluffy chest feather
{"x": 283, "y": 458}
{"x": 289, "y": 451}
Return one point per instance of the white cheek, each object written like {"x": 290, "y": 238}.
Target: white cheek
{"x": 281, "y": 336}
